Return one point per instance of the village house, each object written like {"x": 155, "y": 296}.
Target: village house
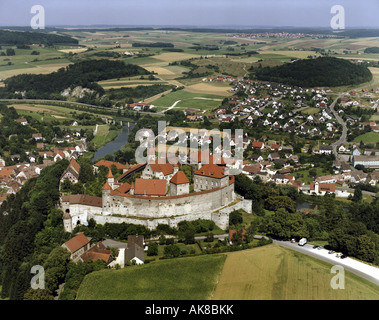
{"x": 324, "y": 149}
{"x": 77, "y": 246}
{"x": 72, "y": 172}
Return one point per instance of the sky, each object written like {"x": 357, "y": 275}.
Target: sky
{"x": 200, "y": 13}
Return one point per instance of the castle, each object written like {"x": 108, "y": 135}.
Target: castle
{"x": 161, "y": 196}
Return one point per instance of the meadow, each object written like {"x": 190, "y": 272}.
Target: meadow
{"x": 270, "y": 272}
{"x": 276, "y": 273}
{"x": 191, "y": 278}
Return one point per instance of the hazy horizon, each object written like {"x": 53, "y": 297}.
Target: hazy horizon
{"x": 194, "y": 13}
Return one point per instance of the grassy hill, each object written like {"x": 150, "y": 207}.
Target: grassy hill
{"x": 192, "y": 278}
{"x": 270, "y": 273}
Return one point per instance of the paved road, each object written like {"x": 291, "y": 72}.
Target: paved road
{"x": 342, "y": 139}
{"x": 361, "y": 269}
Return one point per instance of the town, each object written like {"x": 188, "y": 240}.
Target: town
{"x": 269, "y": 157}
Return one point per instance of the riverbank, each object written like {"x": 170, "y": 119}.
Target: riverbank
{"x": 111, "y": 141}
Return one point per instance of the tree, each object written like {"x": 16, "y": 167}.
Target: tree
{"x": 152, "y": 249}
{"x": 357, "y": 195}
{"x": 235, "y": 217}
{"x": 189, "y": 236}
{"x": 38, "y": 294}
{"x": 209, "y": 237}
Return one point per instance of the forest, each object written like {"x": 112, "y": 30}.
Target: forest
{"x": 84, "y": 74}
{"x": 322, "y": 71}
{"x": 21, "y": 37}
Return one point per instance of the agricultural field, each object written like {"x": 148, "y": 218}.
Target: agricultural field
{"x": 185, "y": 99}
{"x": 370, "y": 137}
{"x": 270, "y": 272}
{"x": 190, "y": 278}
{"x": 276, "y": 273}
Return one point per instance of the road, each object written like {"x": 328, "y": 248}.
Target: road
{"x": 342, "y": 139}
{"x": 361, "y": 269}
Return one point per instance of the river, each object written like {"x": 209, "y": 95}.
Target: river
{"x": 116, "y": 144}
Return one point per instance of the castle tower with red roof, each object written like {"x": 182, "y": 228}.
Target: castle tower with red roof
{"x": 179, "y": 184}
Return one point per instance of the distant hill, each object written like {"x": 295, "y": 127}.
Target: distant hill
{"x": 323, "y": 71}
{"x": 21, "y": 37}
{"x": 372, "y": 50}
{"x": 84, "y": 73}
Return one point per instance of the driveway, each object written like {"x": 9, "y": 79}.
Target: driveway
{"x": 361, "y": 269}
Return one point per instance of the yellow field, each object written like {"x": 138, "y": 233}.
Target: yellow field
{"x": 159, "y": 70}
{"x": 176, "y": 56}
{"x": 73, "y": 50}
{"x": 276, "y": 273}
{"x": 208, "y": 88}
{"x": 39, "y": 69}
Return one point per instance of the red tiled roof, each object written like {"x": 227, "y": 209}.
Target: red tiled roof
{"x": 83, "y": 199}
{"x": 257, "y": 144}
{"x": 331, "y": 187}
{"x": 75, "y": 165}
{"x": 106, "y": 186}
{"x": 179, "y": 178}
{"x": 165, "y": 168}
{"x": 109, "y": 174}
{"x": 77, "y": 242}
{"x": 211, "y": 170}
{"x": 108, "y": 164}
{"x": 150, "y": 187}
{"x": 124, "y": 188}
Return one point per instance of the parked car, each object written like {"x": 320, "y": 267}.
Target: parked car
{"x": 330, "y": 251}
{"x": 293, "y": 240}
{"x": 315, "y": 246}
{"x": 319, "y": 248}
{"x": 302, "y": 241}
{"x": 343, "y": 256}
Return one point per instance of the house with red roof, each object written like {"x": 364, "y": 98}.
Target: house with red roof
{"x": 210, "y": 176}
{"x": 149, "y": 187}
{"x": 159, "y": 171}
{"x": 77, "y": 246}
{"x": 258, "y": 144}
{"x": 72, "y": 172}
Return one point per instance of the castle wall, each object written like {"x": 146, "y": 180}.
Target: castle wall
{"x": 151, "y": 211}
{"x": 165, "y": 207}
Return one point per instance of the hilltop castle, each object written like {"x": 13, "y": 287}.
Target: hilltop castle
{"x": 161, "y": 196}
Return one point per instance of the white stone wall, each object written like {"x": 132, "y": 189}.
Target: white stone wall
{"x": 165, "y": 207}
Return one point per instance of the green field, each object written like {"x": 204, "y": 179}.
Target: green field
{"x": 193, "y": 278}
{"x": 265, "y": 273}
{"x": 104, "y": 135}
{"x": 370, "y": 137}
{"x": 276, "y": 273}
{"x": 189, "y": 100}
